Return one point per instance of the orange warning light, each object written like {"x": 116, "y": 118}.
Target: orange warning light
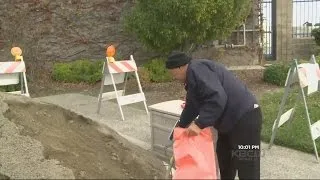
{"x": 16, "y": 51}
{"x": 111, "y": 50}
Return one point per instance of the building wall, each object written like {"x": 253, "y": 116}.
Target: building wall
{"x": 303, "y": 48}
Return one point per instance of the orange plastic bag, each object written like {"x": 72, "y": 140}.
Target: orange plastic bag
{"x": 194, "y": 155}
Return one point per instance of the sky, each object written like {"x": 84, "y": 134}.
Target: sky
{"x": 306, "y": 11}
{"x": 302, "y": 12}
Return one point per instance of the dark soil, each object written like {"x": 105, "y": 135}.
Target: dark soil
{"x": 81, "y": 145}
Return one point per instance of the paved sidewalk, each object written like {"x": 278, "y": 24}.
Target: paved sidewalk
{"x": 276, "y": 163}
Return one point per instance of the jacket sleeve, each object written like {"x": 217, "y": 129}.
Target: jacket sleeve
{"x": 189, "y": 112}
{"x": 210, "y": 95}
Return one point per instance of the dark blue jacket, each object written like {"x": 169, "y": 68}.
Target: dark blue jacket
{"x": 215, "y": 95}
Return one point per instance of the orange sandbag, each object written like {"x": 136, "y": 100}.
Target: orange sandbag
{"x": 194, "y": 155}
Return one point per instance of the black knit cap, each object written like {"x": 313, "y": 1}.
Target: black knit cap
{"x": 177, "y": 59}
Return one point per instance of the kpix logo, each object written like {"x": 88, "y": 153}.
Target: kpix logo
{"x": 247, "y": 152}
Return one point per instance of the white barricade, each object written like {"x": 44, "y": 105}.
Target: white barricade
{"x": 307, "y": 75}
{"x": 115, "y": 73}
{"x": 12, "y": 73}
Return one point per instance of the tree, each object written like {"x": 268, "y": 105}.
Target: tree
{"x": 166, "y": 25}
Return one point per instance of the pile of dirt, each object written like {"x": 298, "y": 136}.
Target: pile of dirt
{"x": 88, "y": 149}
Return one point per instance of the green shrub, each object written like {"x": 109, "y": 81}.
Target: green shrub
{"x": 157, "y": 71}
{"x": 143, "y": 76}
{"x": 316, "y": 34}
{"x": 9, "y": 88}
{"x": 167, "y": 25}
{"x": 276, "y": 74}
{"x": 318, "y": 59}
{"x": 78, "y": 71}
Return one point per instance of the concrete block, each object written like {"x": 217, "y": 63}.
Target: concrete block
{"x": 163, "y": 117}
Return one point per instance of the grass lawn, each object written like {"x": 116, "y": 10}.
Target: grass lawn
{"x": 294, "y": 134}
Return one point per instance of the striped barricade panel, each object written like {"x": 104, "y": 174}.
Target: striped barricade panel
{"x": 122, "y": 66}
{"x": 315, "y": 130}
{"x": 309, "y": 77}
{"x": 12, "y": 67}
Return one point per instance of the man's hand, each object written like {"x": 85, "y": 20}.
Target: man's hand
{"x": 193, "y": 129}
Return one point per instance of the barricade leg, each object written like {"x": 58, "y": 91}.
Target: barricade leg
{"x": 100, "y": 94}
{"x": 276, "y": 122}
{"x": 21, "y": 83}
{"x": 117, "y": 96}
{"x": 140, "y": 90}
{"x": 309, "y": 123}
{"x": 26, "y": 83}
